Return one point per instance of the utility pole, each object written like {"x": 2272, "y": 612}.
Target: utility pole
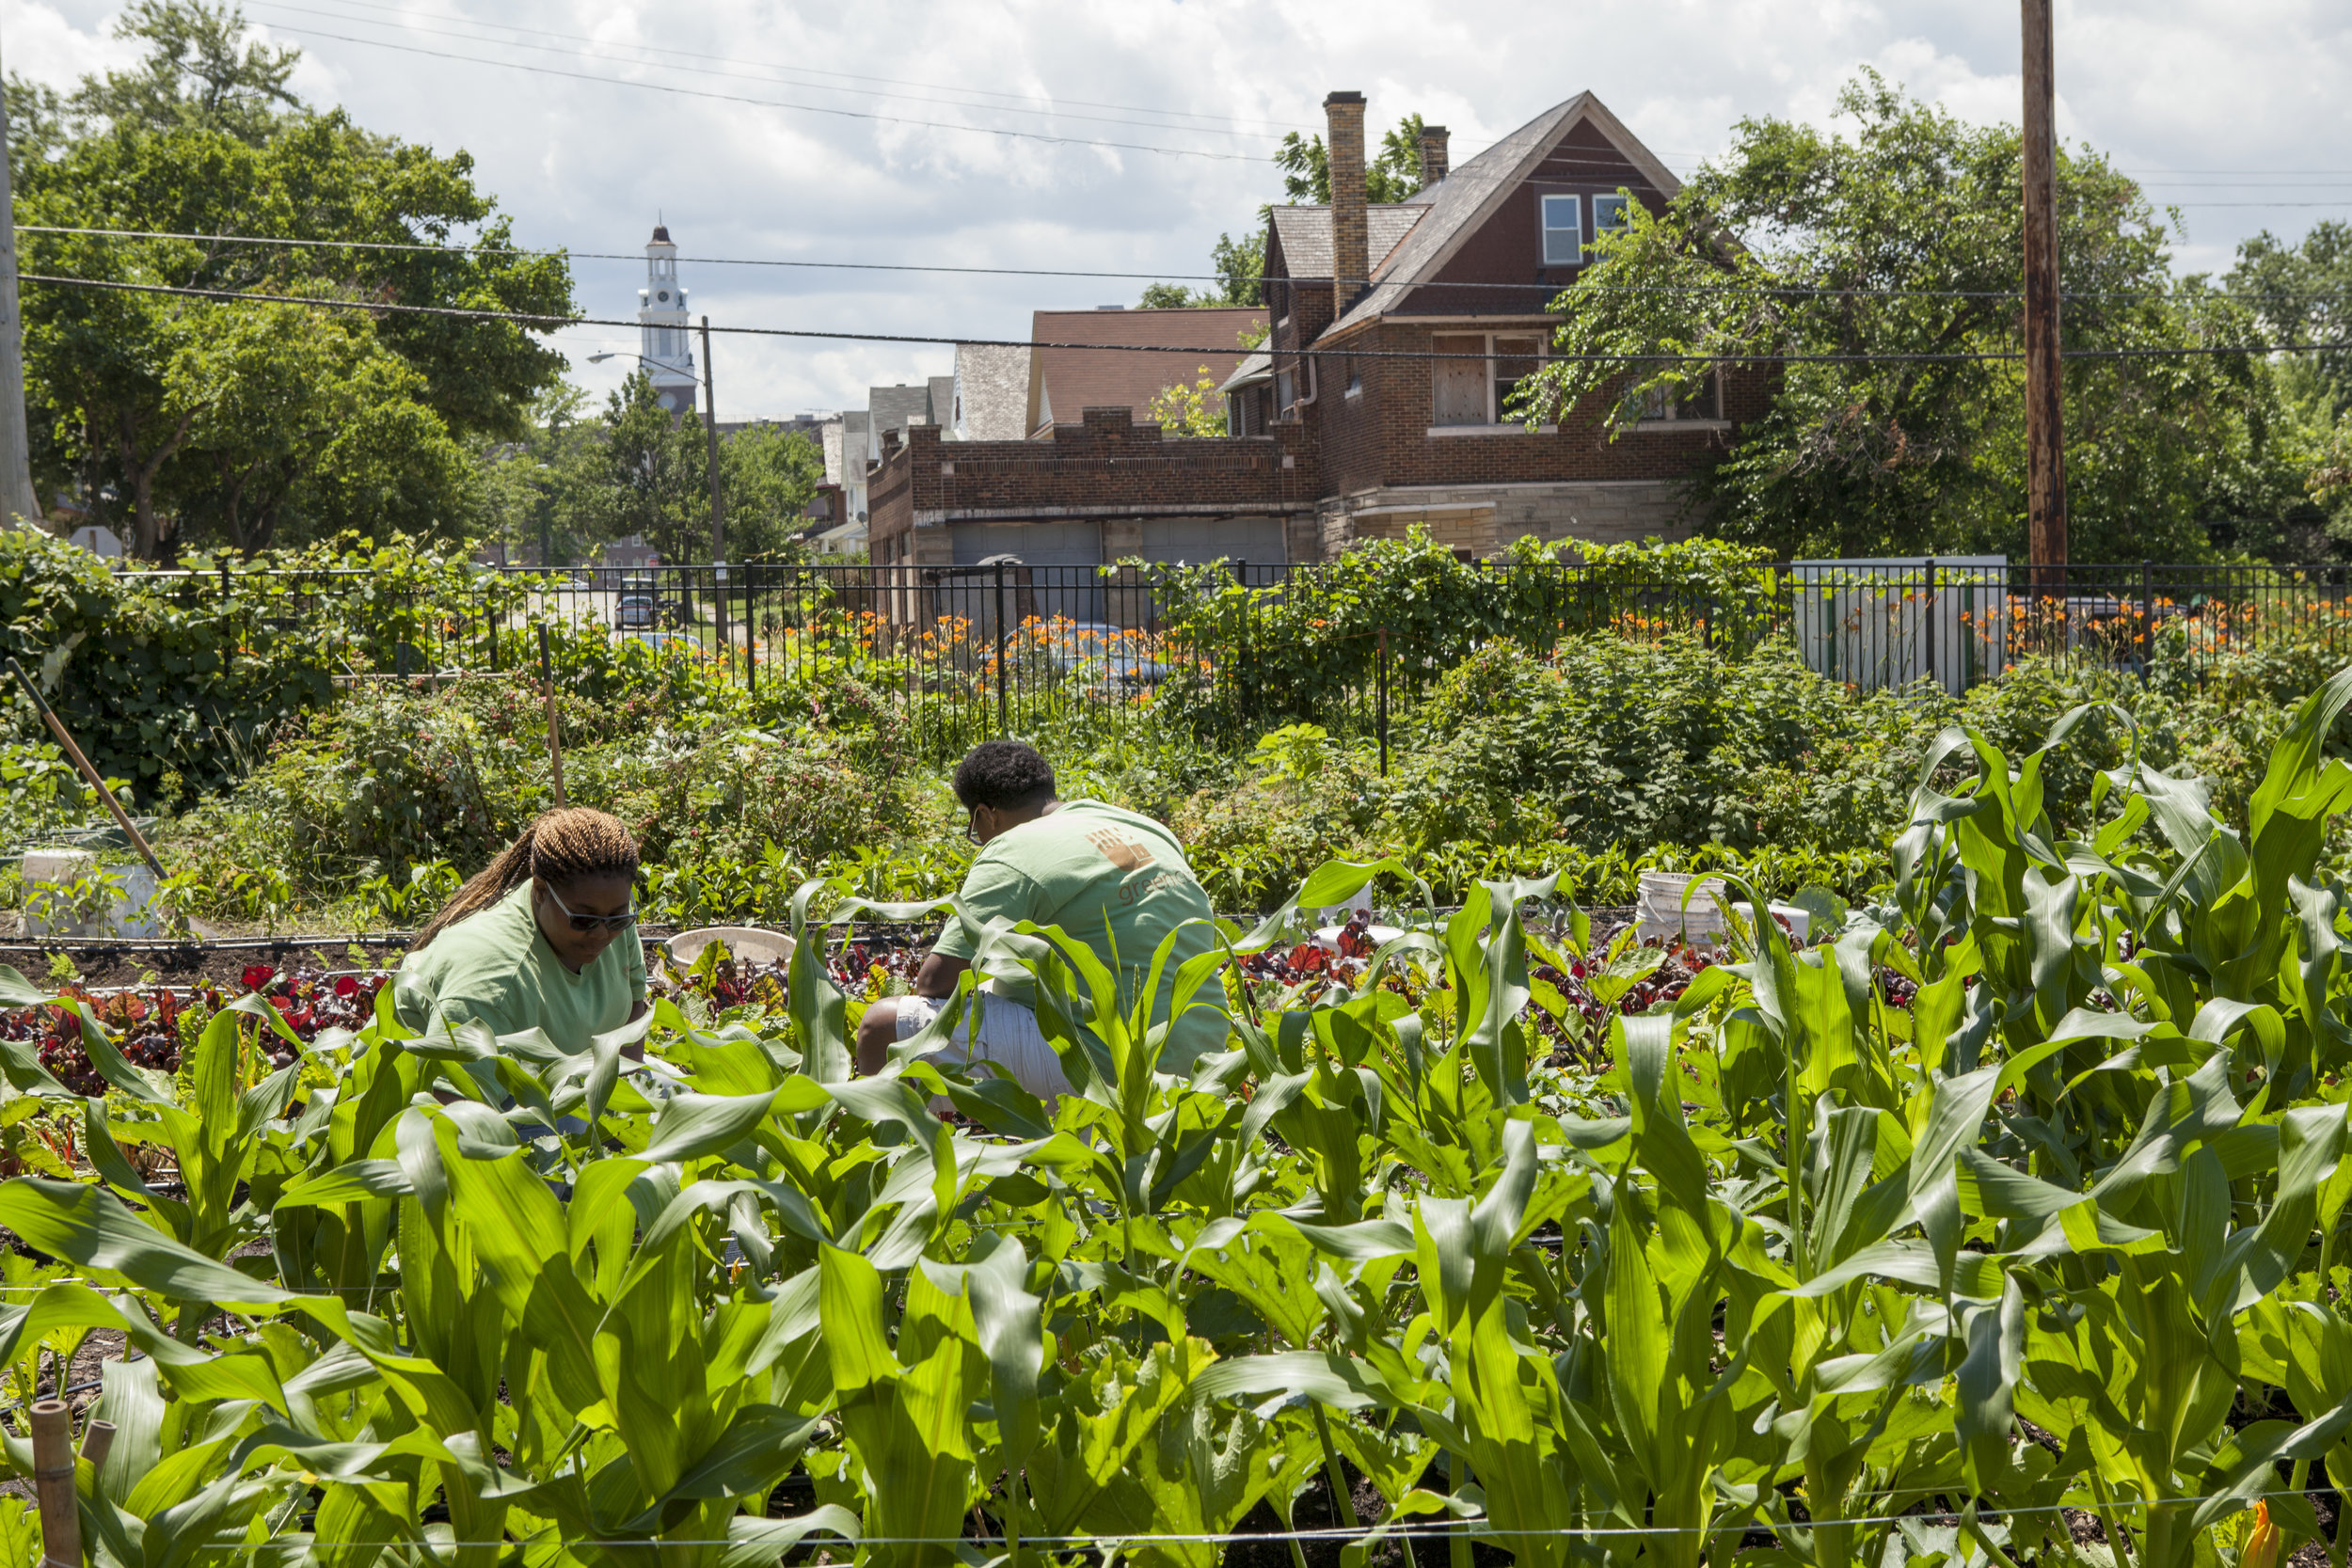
{"x": 17, "y": 500}
{"x": 2046, "y": 399}
{"x": 718, "y": 508}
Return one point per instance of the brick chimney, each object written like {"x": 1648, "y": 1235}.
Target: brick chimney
{"x": 1351, "y": 233}
{"x": 1433, "y": 163}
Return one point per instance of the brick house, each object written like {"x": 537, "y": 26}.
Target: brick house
{"x": 1380, "y": 399}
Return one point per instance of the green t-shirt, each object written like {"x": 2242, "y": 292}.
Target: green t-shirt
{"x": 1117, "y": 883}
{"x": 496, "y": 967}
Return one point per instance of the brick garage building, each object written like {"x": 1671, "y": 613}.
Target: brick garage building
{"x": 1103, "y": 490}
{"x": 1379, "y": 401}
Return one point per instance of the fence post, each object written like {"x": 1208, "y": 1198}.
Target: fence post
{"x": 1004, "y": 642}
{"x": 2147, "y": 617}
{"x": 1384, "y": 702}
{"x": 1931, "y": 629}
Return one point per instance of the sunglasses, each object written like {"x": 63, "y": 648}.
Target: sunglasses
{"x": 620, "y": 921}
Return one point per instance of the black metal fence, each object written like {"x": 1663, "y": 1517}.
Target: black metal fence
{"x": 1003, "y": 646}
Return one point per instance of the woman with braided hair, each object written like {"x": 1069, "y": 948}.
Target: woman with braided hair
{"x": 531, "y": 941}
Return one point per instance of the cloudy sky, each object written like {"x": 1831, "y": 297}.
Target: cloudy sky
{"x": 769, "y": 131}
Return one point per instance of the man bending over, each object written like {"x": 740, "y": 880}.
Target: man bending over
{"x": 1114, "y": 880}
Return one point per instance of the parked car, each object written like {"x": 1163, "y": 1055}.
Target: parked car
{"x": 636, "y": 608}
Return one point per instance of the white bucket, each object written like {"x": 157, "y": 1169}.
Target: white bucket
{"x": 67, "y": 894}
{"x": 1660, "y": 914}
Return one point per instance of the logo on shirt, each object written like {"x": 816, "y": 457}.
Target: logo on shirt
{"x": 1122, "y": 852}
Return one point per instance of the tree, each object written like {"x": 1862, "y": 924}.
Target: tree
{"x": 200, "y": 73}
{"x": 285, "y": 402}
{"x": 768, "y": 477}
{"x": 1197, "y": 409}
{"x": 2303, "y": 296}
{"x": 204, "y": 137}
{"x": 1240, "y": 269}
{"x": 1393, "y": 175}
{"x": 653, "y": 474}
{"x": 1894, "y": 252}
{"x": 545, "y": 490}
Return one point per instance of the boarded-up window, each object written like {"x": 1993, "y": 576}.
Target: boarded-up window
{"x": 1459, "y": 384}
{"x": 1515, "y": 360}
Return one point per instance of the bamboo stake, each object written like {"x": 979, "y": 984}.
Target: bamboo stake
{"x": 53, "y": 1485}
{"x": 56, "y": 727}
{"x": 98, "y": 1440}
{"x": 555, "y": 734}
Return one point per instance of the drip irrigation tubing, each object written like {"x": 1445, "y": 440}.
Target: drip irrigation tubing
{"x": 1734, "y": 1519}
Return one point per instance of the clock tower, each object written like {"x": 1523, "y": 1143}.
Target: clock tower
{"x": 666, "y": 354}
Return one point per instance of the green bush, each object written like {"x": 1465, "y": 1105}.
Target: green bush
{"x": 395, "y": 778}
{"x": 1268, "y": 656}
{"x": 171, "y": 679}
{"x": 1606, "y": 741}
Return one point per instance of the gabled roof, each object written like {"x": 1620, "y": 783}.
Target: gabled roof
{"x": 1306, "y": 234}
{"x": 1065, "y": 382}
{"x": 897, "y": 407}
{"x": 1458, "y": 205}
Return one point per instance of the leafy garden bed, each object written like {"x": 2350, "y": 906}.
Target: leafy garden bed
{"x": 2001, "y": 1223}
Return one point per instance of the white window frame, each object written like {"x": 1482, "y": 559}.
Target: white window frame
{"x": 1495, "y": 424}
{"x": 1546, "y": 228}
{"x": 1289, "y": 379}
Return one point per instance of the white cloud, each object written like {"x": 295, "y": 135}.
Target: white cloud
{"x": 2168, "y": 88}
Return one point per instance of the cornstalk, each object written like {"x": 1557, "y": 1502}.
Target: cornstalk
{"x": 1342, "y": 1503}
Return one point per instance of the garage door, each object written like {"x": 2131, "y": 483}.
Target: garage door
{"x": 1199, "y": 539}
{"x": 1062, "y": 558}
{"x": 1035, "y": 543}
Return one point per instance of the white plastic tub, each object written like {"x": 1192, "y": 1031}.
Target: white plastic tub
{"x": 1660, "y": 913}
{"x": 748, "y": 942}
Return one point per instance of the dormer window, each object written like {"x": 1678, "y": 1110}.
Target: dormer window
{"x": 1563, "y": 230}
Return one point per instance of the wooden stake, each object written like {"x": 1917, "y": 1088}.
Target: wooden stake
{"x": 555, "y": 732}
{"x": 53, "y": 1485}
{"x": 56, "y": 727}
{"x": 2045, "y": 387}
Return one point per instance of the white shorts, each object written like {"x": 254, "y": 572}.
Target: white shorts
{"x": 1010, "y": 1041}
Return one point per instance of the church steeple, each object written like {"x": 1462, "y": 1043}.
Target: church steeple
{"x": 667, "y": 352}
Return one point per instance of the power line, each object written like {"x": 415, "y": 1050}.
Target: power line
{"x": 730, "y": 75}
{"x": 1794, "y": 291}
{"x": 838, "y": 76}
{"x": 777, "y": 103}
{"x": 552, "y": 323}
